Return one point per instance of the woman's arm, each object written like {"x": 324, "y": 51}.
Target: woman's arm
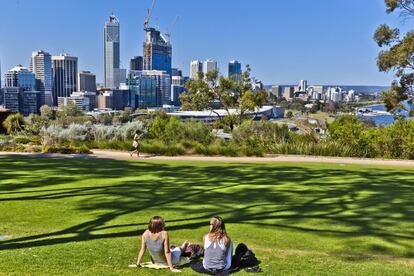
{"x": 167, "y": 252}
{"x": 229, "y": 255}
{"x": 142, "y": 250}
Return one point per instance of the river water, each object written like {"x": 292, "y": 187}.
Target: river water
{"x": 379, "y": 120}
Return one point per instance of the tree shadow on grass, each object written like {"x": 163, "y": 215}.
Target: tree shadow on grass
{"x": 363, "y": 201}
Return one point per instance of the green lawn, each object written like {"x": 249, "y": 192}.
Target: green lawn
{"x": 83, "y": 216}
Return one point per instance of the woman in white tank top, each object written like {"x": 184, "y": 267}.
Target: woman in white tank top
{"x": 218, "y": 249}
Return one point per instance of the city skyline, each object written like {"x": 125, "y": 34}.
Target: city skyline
{"x": 345, "y": 60}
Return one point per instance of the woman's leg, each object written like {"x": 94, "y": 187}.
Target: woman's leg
{"x": 198, "y": 267}
{"x": 184, "y": 246}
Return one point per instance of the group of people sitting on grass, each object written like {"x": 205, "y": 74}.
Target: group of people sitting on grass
{"x": 217, "y": 249}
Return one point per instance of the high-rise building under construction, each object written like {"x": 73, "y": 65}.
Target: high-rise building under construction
{"x": 157, "y": 51}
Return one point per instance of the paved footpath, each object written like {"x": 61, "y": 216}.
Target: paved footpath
{"x": 274, "y": 158}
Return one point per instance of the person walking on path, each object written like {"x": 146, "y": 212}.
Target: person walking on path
{"x": 136, "y": 147}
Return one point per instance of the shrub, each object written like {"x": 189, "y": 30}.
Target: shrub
{"x": 219, "y": 147}
{"x": 122, "y": 132}
{"x": 127, "y": 131}
{"x": 22, "y": 140}
{"x": 317, "y": 149}
{"x": 67, "y": 150}
{"x": 172, "y": 130}
{"x": 159, "y": 147}
{"x": 157, "y": 128}
{"x": 34, "y": 123}
{"x": 68, "y": 120}
{"x": 56, "y": 135}
{"x": 103, "y": 133}
{"x": 70, "y": 110}
{"x": 110, "y": 144}
{"x": 395, "y": 141}
{"x": 349, "y": 130}
{"x": 259, "y": 136}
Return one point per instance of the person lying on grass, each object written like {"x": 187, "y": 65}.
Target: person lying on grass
{"x": 156, "y": 240}
{"x": 218, "y": 249}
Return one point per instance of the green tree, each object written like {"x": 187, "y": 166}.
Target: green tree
{"x": 34, "y": 123}
{"x": 47, "y": 112}
{"x": 14, "y": 123}
{"x": 105, "y": 119}
{"x": 349, "y": 130}
{"x": 398, "y": 54}
{"x": 70, "y": 110}
{"x": 203, "y": 93}
{"x": 124, "y": 117}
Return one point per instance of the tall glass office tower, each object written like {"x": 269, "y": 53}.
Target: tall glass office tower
{"x": 209, "y": 65}
{"x": 112, "y": 72}
{"x": 157, "y": 51}
{"x": 65, "y": 71}
{"x": 20, "y": 77}
{"x": 235, "y": 70}
{"x": 196, "y": 67}
{"x": 41, "y": 66}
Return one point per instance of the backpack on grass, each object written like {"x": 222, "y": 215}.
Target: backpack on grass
{"x": 244, "y": 257}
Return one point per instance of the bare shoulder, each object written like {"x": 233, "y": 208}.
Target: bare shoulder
{"x": 144, "y": 234}
{"x": 164, "y": 234}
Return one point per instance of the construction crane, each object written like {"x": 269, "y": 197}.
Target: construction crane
{"x": 149, "y": 13}
{"x": 171, "y": 27}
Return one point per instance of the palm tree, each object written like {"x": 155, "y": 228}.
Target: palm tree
{"x": 13, "y": 123}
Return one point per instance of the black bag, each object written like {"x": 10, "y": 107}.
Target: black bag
{"x": 244, "y": 257}
{"x": 193, "y": 251}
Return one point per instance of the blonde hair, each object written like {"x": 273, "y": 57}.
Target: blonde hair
{"x": 218, "y": 230}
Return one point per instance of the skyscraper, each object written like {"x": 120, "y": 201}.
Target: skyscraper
{"x": 175, "y": 72}
{"x": 209, "y": 65}
{"x": 12, "y": 98}
{"x": 112, "y": 70}
{"x": 196, "y": 67}
{"x": 163, "y": 85}
{"x": 235, "y": 71}
{"x": 157, "y": 51}
{"x": 86, "y": 81}
{"x": 144, "y": 87}
{"x": 19, "y": 76}
{"x": 19, "y": 93}
{"x": 303, "y": 85}
{"x": 41, "y": 66}
{"x": 136, "y": 64}
{"x": 65, "y": 71}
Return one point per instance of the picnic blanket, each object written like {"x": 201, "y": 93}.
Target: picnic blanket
{"x": 150, "y": 265}
{"x": 182, "y": 261}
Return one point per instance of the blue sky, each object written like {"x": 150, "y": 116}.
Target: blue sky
{"x": 323, "y": 41}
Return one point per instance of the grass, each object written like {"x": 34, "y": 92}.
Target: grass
{"x": 322, "y": 116}
{"x": 83, "y": 216}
